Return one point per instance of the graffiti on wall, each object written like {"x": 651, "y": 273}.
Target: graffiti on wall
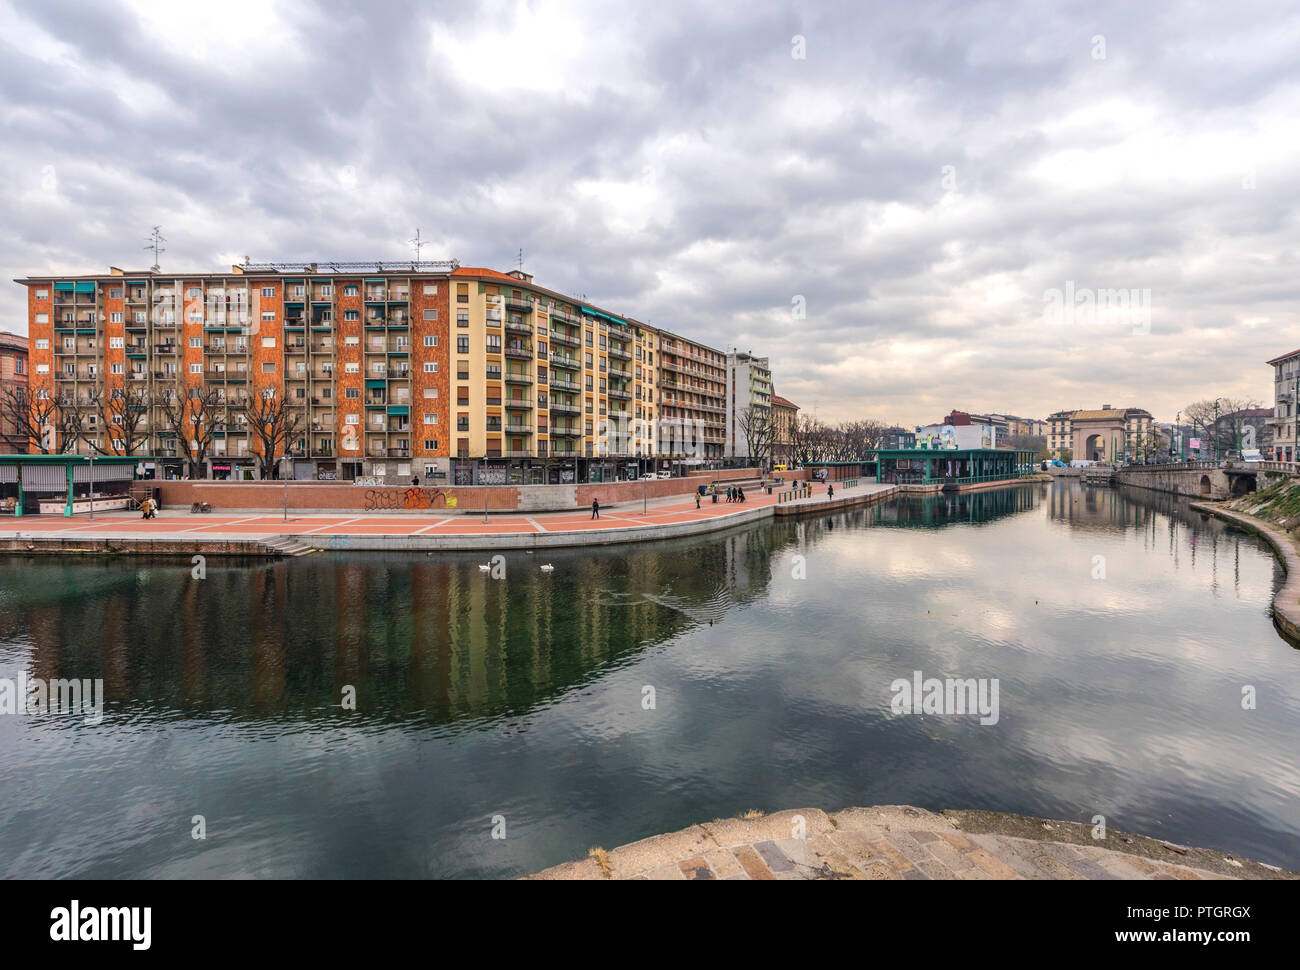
{"x": 410, "y": 499}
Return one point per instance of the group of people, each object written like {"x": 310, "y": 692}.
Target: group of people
{"x": 735, "y": 493}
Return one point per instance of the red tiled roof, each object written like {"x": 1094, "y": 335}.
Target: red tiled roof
{"x": 1283, "y": 357}
{"x": 778, "y": 400}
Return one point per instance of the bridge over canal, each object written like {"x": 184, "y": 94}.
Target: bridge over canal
{"x": 1221, "y": 479}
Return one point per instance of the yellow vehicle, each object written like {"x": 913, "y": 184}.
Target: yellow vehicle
{"x": 780, "y": 468}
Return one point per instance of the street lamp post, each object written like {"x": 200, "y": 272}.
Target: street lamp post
{"x": 92, "y": 487}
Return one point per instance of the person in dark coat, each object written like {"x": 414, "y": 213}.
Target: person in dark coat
{"x": 595, "y": 508}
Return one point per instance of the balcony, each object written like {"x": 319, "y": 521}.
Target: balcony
{"x": 616, "y": 351}
{"x": 517, "y": 453}
{"x": 621, "y": 395}
{"x": 563, "y": 385}
{"x": 519, "y": 429}
{"x": 567, "y": 341}
{"x": 558, "y": 432}
{"x": 514, "y": 377}
{"x": 561, "y": 360}
{"x": 558, "y": 408}
{"x": 519, "y": 326}
{"x": 519, "y": 304}
{"x": 620, "y": 373}
{"x": 520, "y": 353}
{"x": 518, "y": 404}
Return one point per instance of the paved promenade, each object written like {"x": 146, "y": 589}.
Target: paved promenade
{"x": 662, "y": 518}
{"x": 901, "y": 842}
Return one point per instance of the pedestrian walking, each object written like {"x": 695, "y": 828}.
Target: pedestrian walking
{"x": 595, "y": 508}
{"x": 830, "y": 492}
{"x": 697, "y": 500}
{"x": 740, "y": 493}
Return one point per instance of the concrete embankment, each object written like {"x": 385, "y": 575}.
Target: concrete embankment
{"x": 902, "y": 842}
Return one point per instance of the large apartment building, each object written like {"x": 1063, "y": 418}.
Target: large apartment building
{"x": 693, "y": 386}
{"x": 452, "y": 374}
{"x": 749, "y": 405}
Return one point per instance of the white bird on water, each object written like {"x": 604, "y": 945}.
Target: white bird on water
{"x": 547, "y": 568}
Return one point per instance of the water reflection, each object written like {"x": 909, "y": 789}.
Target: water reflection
{"x": 770, "y": 650}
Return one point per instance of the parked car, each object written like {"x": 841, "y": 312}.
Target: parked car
{"x": 1251, "y": 454}
{"x": 665, "y": 475}
{"x": 648, "y": 477}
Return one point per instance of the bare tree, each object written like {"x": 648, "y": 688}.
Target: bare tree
{"x": 46, "y": 422}
{"x": 757, "y": 427}
{"x": 194, "y": 416}
{"x": 123, "y": 416}
{"x": 274, "y": 423}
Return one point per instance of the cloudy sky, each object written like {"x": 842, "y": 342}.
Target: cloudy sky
{"x": 908, "y": 206}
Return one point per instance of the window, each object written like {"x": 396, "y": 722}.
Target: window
{"x": 326, "y": 290}
{"x": 42, "y": 294}
{"x": 431, "y": 418}
{"x": 193, "y": 292}
{"x": 351, "y": 367}
{"x": 42, "y": 368}
{"x": 430, "y": 367}
{"x": 268, "y": 291}
{"x": 431, "y": 314}
{"x": 268, "y": 367}
{"x": 494, "y": 343}
{"x": 141, "y": 316}
{"x": 351, "y": 314}
{"x": 196, "y": 342}
{"x": 462, "y": 292}
{"x": 196, "y": 368}
{"x": 268, "y": 316}
{"x": 462, "y": 319}
{"x": 431, "y": 341}
{"x": 352, "y": 419}
{"x": 351, "y": 341}
{"x": 298, "y": 291}
{"x": 431, "y": 289}
{"x": 351, "y": 392}
{"x": 115, "y": 343}
{"x": 42, "y": 344}
{"x": 268, "y": 341}
{"x": 462, "y": 345}
{"x": 351, "y": 290}
{"x": 116, "y": 317}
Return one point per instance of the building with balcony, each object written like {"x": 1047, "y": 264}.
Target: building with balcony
{"x": 785, "y": 416}
{"x": 1286, "y": 392}
{"x": 455, "y": 374}
{"x": 748, "y": 407}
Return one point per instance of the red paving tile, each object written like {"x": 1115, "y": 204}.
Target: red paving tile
{"x": 258, "y": 525}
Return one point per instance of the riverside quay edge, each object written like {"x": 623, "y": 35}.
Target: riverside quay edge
{"x": 387, "y": 370}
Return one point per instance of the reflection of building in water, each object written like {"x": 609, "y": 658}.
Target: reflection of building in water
{"x": 954, "y": 507}
{"x": 435, "y": 638}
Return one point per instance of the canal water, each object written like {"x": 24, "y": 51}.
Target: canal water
{"x": 637, "y": 690}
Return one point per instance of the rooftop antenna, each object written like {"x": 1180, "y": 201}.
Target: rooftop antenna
{"x": 416, "y": 243}
{"x": 520, "y": 265}
{"x": 156, "y": 240}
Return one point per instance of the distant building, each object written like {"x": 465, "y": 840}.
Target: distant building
{"x": 13, "y": 376}
{"x": 749, "y": 398}
{"x": 1248, "y": 429}
{"x": 784, "y": 415}
{"x": 1286, "y": 377}
{"x": 961, "y": 429}
{"x": 898, "y": 439}
{"x": 1107, "y": 434}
